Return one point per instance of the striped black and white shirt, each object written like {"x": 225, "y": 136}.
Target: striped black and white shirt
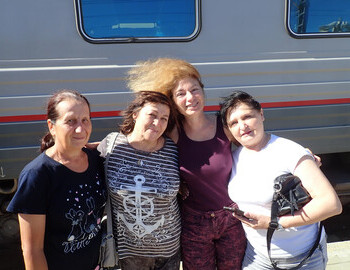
{"x": 143, "y": 189}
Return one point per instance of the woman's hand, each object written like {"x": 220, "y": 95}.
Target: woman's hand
{"x": 92, "y": 145}
{"x": 254, "y": 221}
{"x": 183, "y": 190}
{"x": 316, "y": 158}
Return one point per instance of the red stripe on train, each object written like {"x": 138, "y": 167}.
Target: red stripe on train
{"x": 305, "y": 103}
{"x": 40, "y": 117}
{"x": 292, "y": 103}
{"x": 22, "y": 118}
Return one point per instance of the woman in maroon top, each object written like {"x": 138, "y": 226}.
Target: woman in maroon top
{"x": 211, "y": 237}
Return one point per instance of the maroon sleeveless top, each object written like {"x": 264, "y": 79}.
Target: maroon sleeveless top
{"x": 206, "y": 167}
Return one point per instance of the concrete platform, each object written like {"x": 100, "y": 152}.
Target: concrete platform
{"x": 338, "y": 255}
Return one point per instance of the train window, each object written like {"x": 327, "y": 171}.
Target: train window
{"x": 138, "y": 20}
{"x": 318, "y": 18}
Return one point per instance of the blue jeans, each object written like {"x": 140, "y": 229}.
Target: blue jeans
{"x": 256, "y": 261}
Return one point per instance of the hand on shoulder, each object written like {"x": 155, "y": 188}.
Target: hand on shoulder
{"x": 92, "y": 145}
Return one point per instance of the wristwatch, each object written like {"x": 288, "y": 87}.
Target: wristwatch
{"x": 276, "y": 225}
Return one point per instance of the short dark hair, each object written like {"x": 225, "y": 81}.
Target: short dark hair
{"x": 141, "y": 98}
{"x": 232, "y": 101}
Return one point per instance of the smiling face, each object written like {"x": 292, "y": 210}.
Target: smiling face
{"x": 151, "y": 121}
{"x": 72, "y": 129}
{"x": 247, "y": 126}
{"x": 189, "y": 97}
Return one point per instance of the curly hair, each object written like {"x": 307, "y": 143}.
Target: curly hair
{"x": 160, "y": 75}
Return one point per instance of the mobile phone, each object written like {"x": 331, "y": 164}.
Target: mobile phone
{"x": 235, "y": 210}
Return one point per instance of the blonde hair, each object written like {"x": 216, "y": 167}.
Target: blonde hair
{"x": 160, "y": 75}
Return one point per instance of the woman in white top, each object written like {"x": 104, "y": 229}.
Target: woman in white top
{"x": 258, "y": 161}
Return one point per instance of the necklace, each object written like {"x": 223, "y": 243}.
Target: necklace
{"x": 142, "y": 154}
{"x": 140, "y": 159}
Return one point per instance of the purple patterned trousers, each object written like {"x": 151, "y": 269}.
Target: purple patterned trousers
{"x": 211, "y": 240}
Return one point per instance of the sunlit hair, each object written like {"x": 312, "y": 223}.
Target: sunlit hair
{"x": 47, "y": 140}
{"x": 160, "y": 75}
{"x": 232, "y": 101}
{"x": 141, "y": 99}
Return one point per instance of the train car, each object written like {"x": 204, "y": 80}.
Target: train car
{"x": 292, "y": 55}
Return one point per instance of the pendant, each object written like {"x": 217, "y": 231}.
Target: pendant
{"x": 140, "y": 162}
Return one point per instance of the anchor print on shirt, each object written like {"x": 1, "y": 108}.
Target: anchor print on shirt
{"x": 139, "y": 207}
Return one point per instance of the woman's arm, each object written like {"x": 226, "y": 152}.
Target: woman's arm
{"x": 325, "y": 202}
{"x": 32, "y": 229}
{"x": 92, "y": 145}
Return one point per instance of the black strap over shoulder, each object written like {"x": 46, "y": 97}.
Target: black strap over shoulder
{"x": 270, "y": 232}
{"x": 273, "y": 226}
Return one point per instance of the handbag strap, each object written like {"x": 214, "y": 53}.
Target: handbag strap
{"x": 110, "y": 146}
{"x": 272, "y": 228}
{"x": 109, "y": 218}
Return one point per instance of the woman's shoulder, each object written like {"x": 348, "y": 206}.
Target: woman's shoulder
{"x": 173, "y": 134}
{"x": 38, "y": 170}
{"x": 221, "y": 131}
{"x": 284, "y": 142}
{"x": 111, "y": 138}
{"x": 39, "y": 163}
{"x": 92, "y": 153}
{"x": 286, "y": 149}
{"x": 33, "y": 187}
{"x": 168, "y": 142}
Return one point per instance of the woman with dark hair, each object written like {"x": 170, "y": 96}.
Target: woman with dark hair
{"x": 258, "y": 161}
{"x": 143, "y": 182}
{"x": 61, "y": 193}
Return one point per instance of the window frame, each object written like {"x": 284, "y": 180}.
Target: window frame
{"x": 309, "y": 35}
{"x": 80, "y": 28}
